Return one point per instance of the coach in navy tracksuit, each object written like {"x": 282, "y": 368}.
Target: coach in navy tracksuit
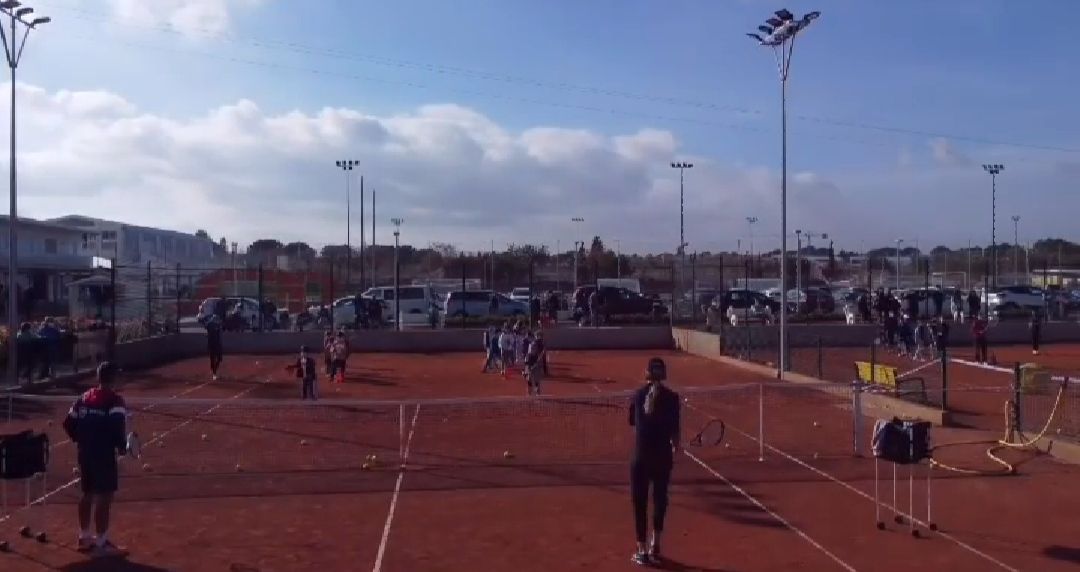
{"x": 96, "y": 424}
{"x": 654, "y": 414}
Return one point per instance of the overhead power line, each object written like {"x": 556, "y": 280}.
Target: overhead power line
{"x": 305, "y": 49}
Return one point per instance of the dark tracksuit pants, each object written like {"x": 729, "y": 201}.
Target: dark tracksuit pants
{"x": 646, "y": 472}
{"x": 216, "y": 356}
{"x": 1036, "y": 337}
{"x": 980, "y": 348}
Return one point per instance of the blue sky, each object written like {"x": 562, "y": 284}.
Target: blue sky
{"x": 969, "y": 82}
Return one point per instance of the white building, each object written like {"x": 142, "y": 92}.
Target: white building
{"x": 49, "y": 258}
{"x": 133, "y": 245}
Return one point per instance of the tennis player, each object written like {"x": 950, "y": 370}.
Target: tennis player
{"x": 96, "y": 424}
{"x": 214, "y": 347}
{"x": 534, "y": 368}
{"x": 654, "y": 414}
{"x": 305, "y": 372}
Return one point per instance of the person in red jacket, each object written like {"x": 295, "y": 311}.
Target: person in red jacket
{"x": 96, "y": 424}
{"x": 978, "y": 335}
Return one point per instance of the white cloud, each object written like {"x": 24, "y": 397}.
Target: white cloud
{"x": 193, "y": 18}
{"x": 457, "y": 176}
{"x": 946, "y": 154}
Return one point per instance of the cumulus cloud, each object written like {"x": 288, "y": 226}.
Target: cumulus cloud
{"x": 457, "y": 176}
{"x": 194, "y": 18}
{"x": 946, "y": 154}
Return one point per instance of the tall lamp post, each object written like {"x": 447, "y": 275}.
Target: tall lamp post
{"x": 1016, "y": 249}
{"x": 682, "y": 166}
{"x": 750, "y": 220}
{"x": 347, "y": 167}
{"x": 899, "y": 241}
{"x": 397, "y": 273}
{"x": 13, "y": 49}
{"x": 578, "y": 245}
{"x": 779, "y": 34}
{"x": 994, "y": 170}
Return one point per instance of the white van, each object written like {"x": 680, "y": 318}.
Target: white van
{"x": 414, "y": 299}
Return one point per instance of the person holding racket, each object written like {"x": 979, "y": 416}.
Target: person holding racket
{"x": 654, "y": 414}
{"x": 96, "y": 424}
{"x": 304, "y": 366}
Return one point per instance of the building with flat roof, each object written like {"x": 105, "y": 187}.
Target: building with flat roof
{"x": 133, "y": 245}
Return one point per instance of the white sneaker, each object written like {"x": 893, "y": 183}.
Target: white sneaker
{"x": 108, "y": 550}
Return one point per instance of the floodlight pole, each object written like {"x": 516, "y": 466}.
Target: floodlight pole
{"x": 347, "y": 166}
{"x": 397, "y": 273}
{"x": 1016, "y": 248}
{"x": 13, "y": 49}
{"x": 780, "y": 36}
{"x": 994, "y": 170}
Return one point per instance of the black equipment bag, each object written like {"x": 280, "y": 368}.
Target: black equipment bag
{"x": 902, "y": 442}
{"x": 23, "y": 455}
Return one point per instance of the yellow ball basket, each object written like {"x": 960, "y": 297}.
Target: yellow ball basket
{"x": 1034, "y": 379}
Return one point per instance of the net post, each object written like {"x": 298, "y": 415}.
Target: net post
{"x": 856, "y": 412}
{"x": 1016, "y": 397}
{"x": 761, "y": 421}
{"x": 944, "y": 375}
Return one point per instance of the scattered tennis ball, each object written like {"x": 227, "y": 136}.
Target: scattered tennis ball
{"x": 239, "y": 469}
{"x": 816, "y": 424}
{"x": 146, "y": 467}
{"x": 303, "y": 442}
{"x": 365, "y": 466}
{"x": 74, "y": 470}
{"x": 205, "y": 437}
{"x": 508, "y": 455}
{"x": 727, "y": 445}
{"x": 815, "y": 455}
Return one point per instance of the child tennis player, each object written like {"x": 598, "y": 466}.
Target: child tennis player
{"x": 339, "y": 355}
{"x": 507, "y": 345}
{"x": 534, "y": 368}
{"x": 491, "y": 348}
{"x": 328, "y": 344}
{"x": 305, "y": 372}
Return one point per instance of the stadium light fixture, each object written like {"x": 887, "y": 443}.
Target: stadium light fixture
{"x": 993, "y": 169}
{"x": 347, "y": 166}
{"x": 781, "y": 38}
{"x": 13, "y": 50}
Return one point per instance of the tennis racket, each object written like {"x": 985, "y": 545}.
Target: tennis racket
{"x": 711, "y": 434}
{"x": 134, "y": 445}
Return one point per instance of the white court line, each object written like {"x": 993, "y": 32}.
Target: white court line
{"x": 397, "y": 491}
{"x": 868, "y": 497}
{"x": 918, "y": 369}
{"x": 72, "y": 482}
{"x": 771, "y": 513}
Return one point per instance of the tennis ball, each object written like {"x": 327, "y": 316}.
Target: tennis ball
{"x": 508, "y": 455}
{"x": 815, "y": 455}
{"x": 239, "y": 469}
{"x": 205, "y": 437}
{"x": 74, "y": 470}
{"x": 816, "y": 424}
{"x": 727, "y": 445}
{"x": 303, "y": 442}
{"x": 146, "y": 467}
{"x": 365, "y": 466}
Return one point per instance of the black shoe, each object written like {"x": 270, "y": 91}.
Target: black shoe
{"x": 654, "y": 551}
{"x": 641, "y": 559}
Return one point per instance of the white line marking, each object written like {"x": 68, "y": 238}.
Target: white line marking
{"x": 72, "y": 482}
{"x": 771, "y": 513}
{"x": 397, "y": 491}
{"x": 1008, "y": 370}
{"x": 870, "y": 498}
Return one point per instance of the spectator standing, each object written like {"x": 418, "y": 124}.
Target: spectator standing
{"x": 594, "y": 307}
{"x": 978, "y": 334}
{"x": 973, "y": 304}
{"x": 1036, "y": 331}
{"x": 864, "y": 308}
{"x": 26, "y": 343}
{"x": 50, "y": 336}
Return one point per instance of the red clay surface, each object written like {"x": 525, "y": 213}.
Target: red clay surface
{"x": 283, "y": 488}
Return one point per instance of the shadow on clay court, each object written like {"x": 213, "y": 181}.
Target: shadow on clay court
{"x": 110, "y": 565}
{"x": 1063, "y": 553}
{"x": 369, "y": 379}
{"x": 676, "y": 566}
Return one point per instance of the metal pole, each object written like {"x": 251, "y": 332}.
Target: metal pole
{"x": 558, "y": 275}
{"x": 397, "y": 281}
{"x": 13, "y": 218}
{"x": 112, "y": 313}
{"x": 363, "y": 275}
{"x": 693, "y": 288}
{"x": 262, "y": 299}
{"x": 783, "y": 224}
{"x": 149, "y": 300}
{"x": 178, "y": 297}
{"x": 993, "y": 226}
{"x": 374, "y": 280}
{"x": 618, "y": 259}
{"x": 348, "y": 234}
{"x": 898, "y": 264}
{"x": 1016, "y": 246}
{"x": 463, "y": 291}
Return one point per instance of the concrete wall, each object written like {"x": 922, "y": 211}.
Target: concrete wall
{"x": 423, "y": 341}
{"x": 842, "y": 335}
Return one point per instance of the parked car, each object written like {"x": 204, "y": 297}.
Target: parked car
{"x": 414, "y": 300}
{"x": 520, "y": 294}
{"x": 474, "y": 303}
{"x": 617, "y": 301}
{"x": 344, "y": 311}
{"x": 1016, "y": 300}
{"x": 248, "y": 318}
{"x": 741, "y": 306}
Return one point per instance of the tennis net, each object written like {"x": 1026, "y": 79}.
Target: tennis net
{"x": 195, "y": 448}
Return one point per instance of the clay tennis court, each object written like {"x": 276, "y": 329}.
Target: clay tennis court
{"x": 239, "y": 476}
